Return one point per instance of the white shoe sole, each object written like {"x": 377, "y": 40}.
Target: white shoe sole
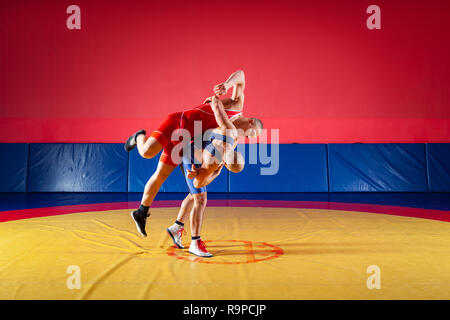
{"x": 198, "y": 255}
{"x": 173, "y": 239}
{"x": 137, "y": 226}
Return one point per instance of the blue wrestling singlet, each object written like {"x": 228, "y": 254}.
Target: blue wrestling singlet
{"x": 189, "y": 159}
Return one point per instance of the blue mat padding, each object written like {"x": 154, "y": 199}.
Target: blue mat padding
{"x": 13, "y": 167}
{"x": 292, "y": 168}
{"x": 142, "y": 169}
{"x": 95, "y": 167}
{"x": 377, "y": 167}
{"x": 82, "y": 167}
{"x": 438, "y": 159}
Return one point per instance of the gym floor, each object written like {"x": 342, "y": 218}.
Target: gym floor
{"x": 266, "y": 246}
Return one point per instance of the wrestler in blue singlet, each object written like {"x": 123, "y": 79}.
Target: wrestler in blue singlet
{"x": 188, "y": 161}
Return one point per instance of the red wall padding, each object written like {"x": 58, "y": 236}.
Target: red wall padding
{"x": 313, "y": 69}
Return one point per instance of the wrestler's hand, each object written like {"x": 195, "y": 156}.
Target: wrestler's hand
{"x": 214, "y": 101}
{"x": 191, "y": 174}
{"x": 208, "y": 100}
{"x": 221, "y": 88}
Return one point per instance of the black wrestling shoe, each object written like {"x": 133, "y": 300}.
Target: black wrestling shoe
{"x": 131, "y": 142}
{"x": 140, "y": 219}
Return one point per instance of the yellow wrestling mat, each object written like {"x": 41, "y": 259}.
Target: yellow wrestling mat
{"x": 260, "y": 253}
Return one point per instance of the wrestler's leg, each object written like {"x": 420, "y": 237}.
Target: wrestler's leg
{"x": 155, "y": 182}
{"x": 186, "y": 208}
{"x": 197, "y": 246}
{"x": 196, "y": 217}
{"x": 175, "y": 231}
{"x": 148, "y": 147}
{"x": 151, "y": 189}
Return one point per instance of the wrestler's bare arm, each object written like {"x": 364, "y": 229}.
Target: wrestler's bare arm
{"x": 237, "y": 98}
{"x": 221, "y": 117}
{"x": 237, "y": 82}
{"x": 230, "y": 104}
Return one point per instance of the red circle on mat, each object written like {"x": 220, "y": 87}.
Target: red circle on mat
{"x": 251, "y": 252}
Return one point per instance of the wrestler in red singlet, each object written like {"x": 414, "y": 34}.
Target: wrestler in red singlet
{"x": 185, "y": 120}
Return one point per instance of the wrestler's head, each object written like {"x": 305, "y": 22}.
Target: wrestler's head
{"x": 248, "y": 127}
{"x": 234, "y": 162}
